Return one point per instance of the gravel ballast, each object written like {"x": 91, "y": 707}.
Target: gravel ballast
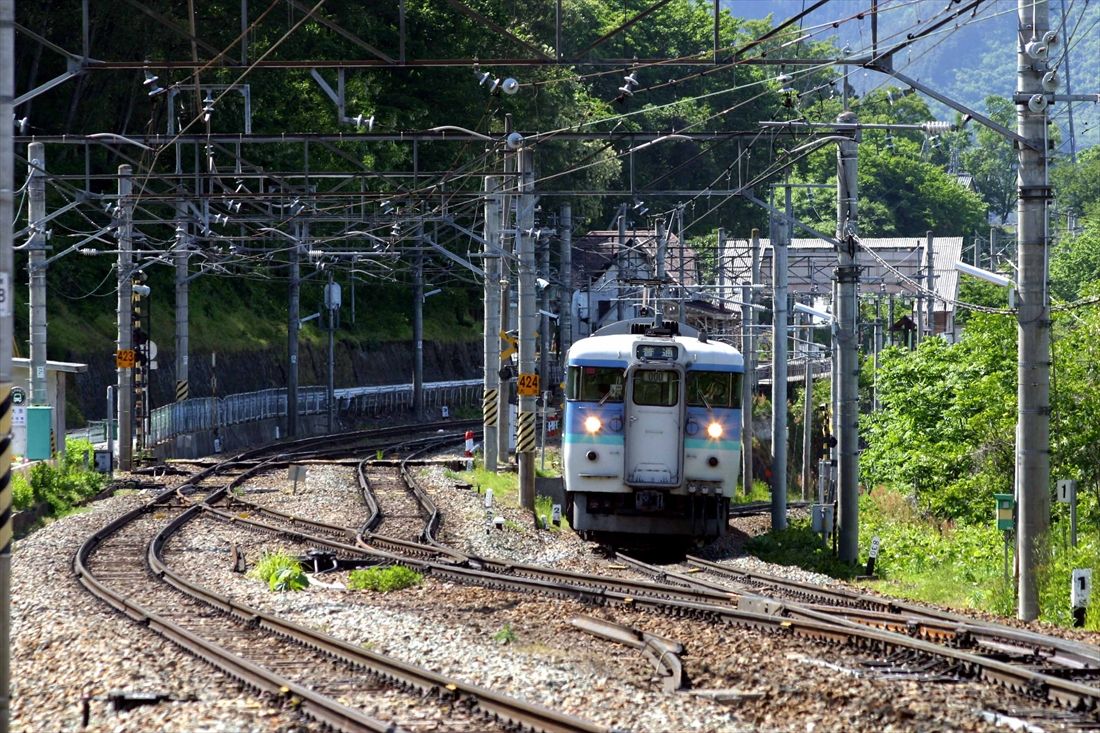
{"x": 67, "y": 645}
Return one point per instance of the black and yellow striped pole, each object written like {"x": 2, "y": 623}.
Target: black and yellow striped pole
{"x": 527, "y": 384}
{"x": 490, "y": 406}
{"x": 7, "y": 213}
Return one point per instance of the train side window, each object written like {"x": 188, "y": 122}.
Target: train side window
{"x": 656, "y": 388}
{"x": 594, "y": 384}
{"x": 713, "y": 389}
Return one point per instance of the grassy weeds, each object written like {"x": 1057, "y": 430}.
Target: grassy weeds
{"x": 63, "y": 485}
{"x": 505, "y": 485}
{"x": 384, "y": 579}
{"x": 960, "y": 566}
{"x": 281, "y": 571}
{"x": 760, "y": 492}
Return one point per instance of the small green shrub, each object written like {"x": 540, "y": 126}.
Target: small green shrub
{"x": 288, "y": 578}
{"x": 506, "y": 635}
{"x": 22, "y": 492}
{"x": 798, "y": 545}
{"x": 281, "y": 571}
{"x": 384, "y": 579}
{"x": 64, "y": 485}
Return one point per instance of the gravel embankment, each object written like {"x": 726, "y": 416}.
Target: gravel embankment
{"x": 67, "y": 645}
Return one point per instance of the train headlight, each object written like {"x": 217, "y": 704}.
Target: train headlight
{"x": 592, "y": 424}
{"x": 714, "y": 430}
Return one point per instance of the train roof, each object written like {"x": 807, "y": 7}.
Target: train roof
{"x": 619, "y": 348}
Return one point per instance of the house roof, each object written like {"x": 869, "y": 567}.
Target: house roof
{"x": 598, "y": 250}
{"x": 71, "y": 367}
{"x": 812, "y": 261}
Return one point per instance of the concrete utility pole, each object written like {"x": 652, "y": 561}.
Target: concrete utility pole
{"x": 36, "y": 265}
{"x": 749, "y": 356}
{"x": 125, "y": 318}
{"x": 919, "y": 299}
{"x": 332, "y": 312}
{"x": 877, "y": 348}
{"x": 622, "y": 248}
{"x": 659, "y": 293}
{"x": 293, "y": 324}
{"x": 1033, "y": 311}
{"x": 504, "y": 412}
{"x": 565, "y": 275}
{"x": 780, "y": 244}
{"x": 183, "y": 342}
{"x": 528, "y": 324}
{"x": 544, "y": 320}
{"x": 748, "y": 388}
{"x": 418, "y": 326}
{"x": 930, "y": 283}
{"x": 847, "y": 336}
{"x": 807, "y": 427}
{"x": 492, "y": 323}
{"x": 7, "y": 214}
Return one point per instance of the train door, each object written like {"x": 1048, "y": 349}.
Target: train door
{"x": 654, "y": 445}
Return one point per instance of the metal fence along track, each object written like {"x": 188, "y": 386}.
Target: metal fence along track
{"x": 207, "y": 413}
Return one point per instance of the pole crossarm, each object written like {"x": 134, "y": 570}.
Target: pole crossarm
{"x": 886, "y": 67}
{"x": 453, "y": 257}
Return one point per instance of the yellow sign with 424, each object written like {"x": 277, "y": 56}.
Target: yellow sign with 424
{"x": 528, "y": 385}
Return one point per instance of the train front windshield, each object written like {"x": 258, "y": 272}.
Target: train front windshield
{"x": 594, "y": 384}
{"x": 713, "y": 389}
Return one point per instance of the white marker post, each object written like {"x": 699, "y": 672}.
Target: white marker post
{"x": 873, "y": 555}
{"x": 296, "y": 474}
{"x": 555, "y": 515}
{"x": 1067, "y": 494}
{"x": 1080, "y": 590}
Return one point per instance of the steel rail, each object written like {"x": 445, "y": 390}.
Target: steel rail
{"x": 489, "y": 702}
{"x": 825, "y": 626}
{"x": 1087, "y": 654}
{"x": 316, "y": 705}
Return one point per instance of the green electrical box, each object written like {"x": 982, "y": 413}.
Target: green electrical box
{"x": 1006, "y": 511}
{"x": 39, "y": 433}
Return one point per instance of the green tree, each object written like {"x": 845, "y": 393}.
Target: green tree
{"x": 992, "y": 160}
{"x": 1077, "y": 186}
{"x": 1075, "y": 261}
{"x": 945, "y": 432}
{"x": 901, "y": 193}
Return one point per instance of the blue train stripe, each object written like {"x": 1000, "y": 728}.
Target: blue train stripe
{"x": 581, "y": 438}
{"x": 706, "y": 444}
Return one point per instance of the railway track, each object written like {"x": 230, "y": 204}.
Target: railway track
{"x": 902, "y": 640}
{"x": 1033, "y": 664}
{"x": 335, "y": 683}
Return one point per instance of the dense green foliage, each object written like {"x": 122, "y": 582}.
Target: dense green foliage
{"x": 946, "y": 426}
{"x": 384, "y": 579}
{"x": 281, "y": 571}
{"x": 904, "y": 188}
{"x": 944, "y": 442}
{"x": 63, "y": 486}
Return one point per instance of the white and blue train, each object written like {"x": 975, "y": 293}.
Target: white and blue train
{"x": 651, "y": 434}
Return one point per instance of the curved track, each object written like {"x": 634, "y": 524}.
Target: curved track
{"x": 1033, "y": 664}
{"x": 329, "y": 680}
